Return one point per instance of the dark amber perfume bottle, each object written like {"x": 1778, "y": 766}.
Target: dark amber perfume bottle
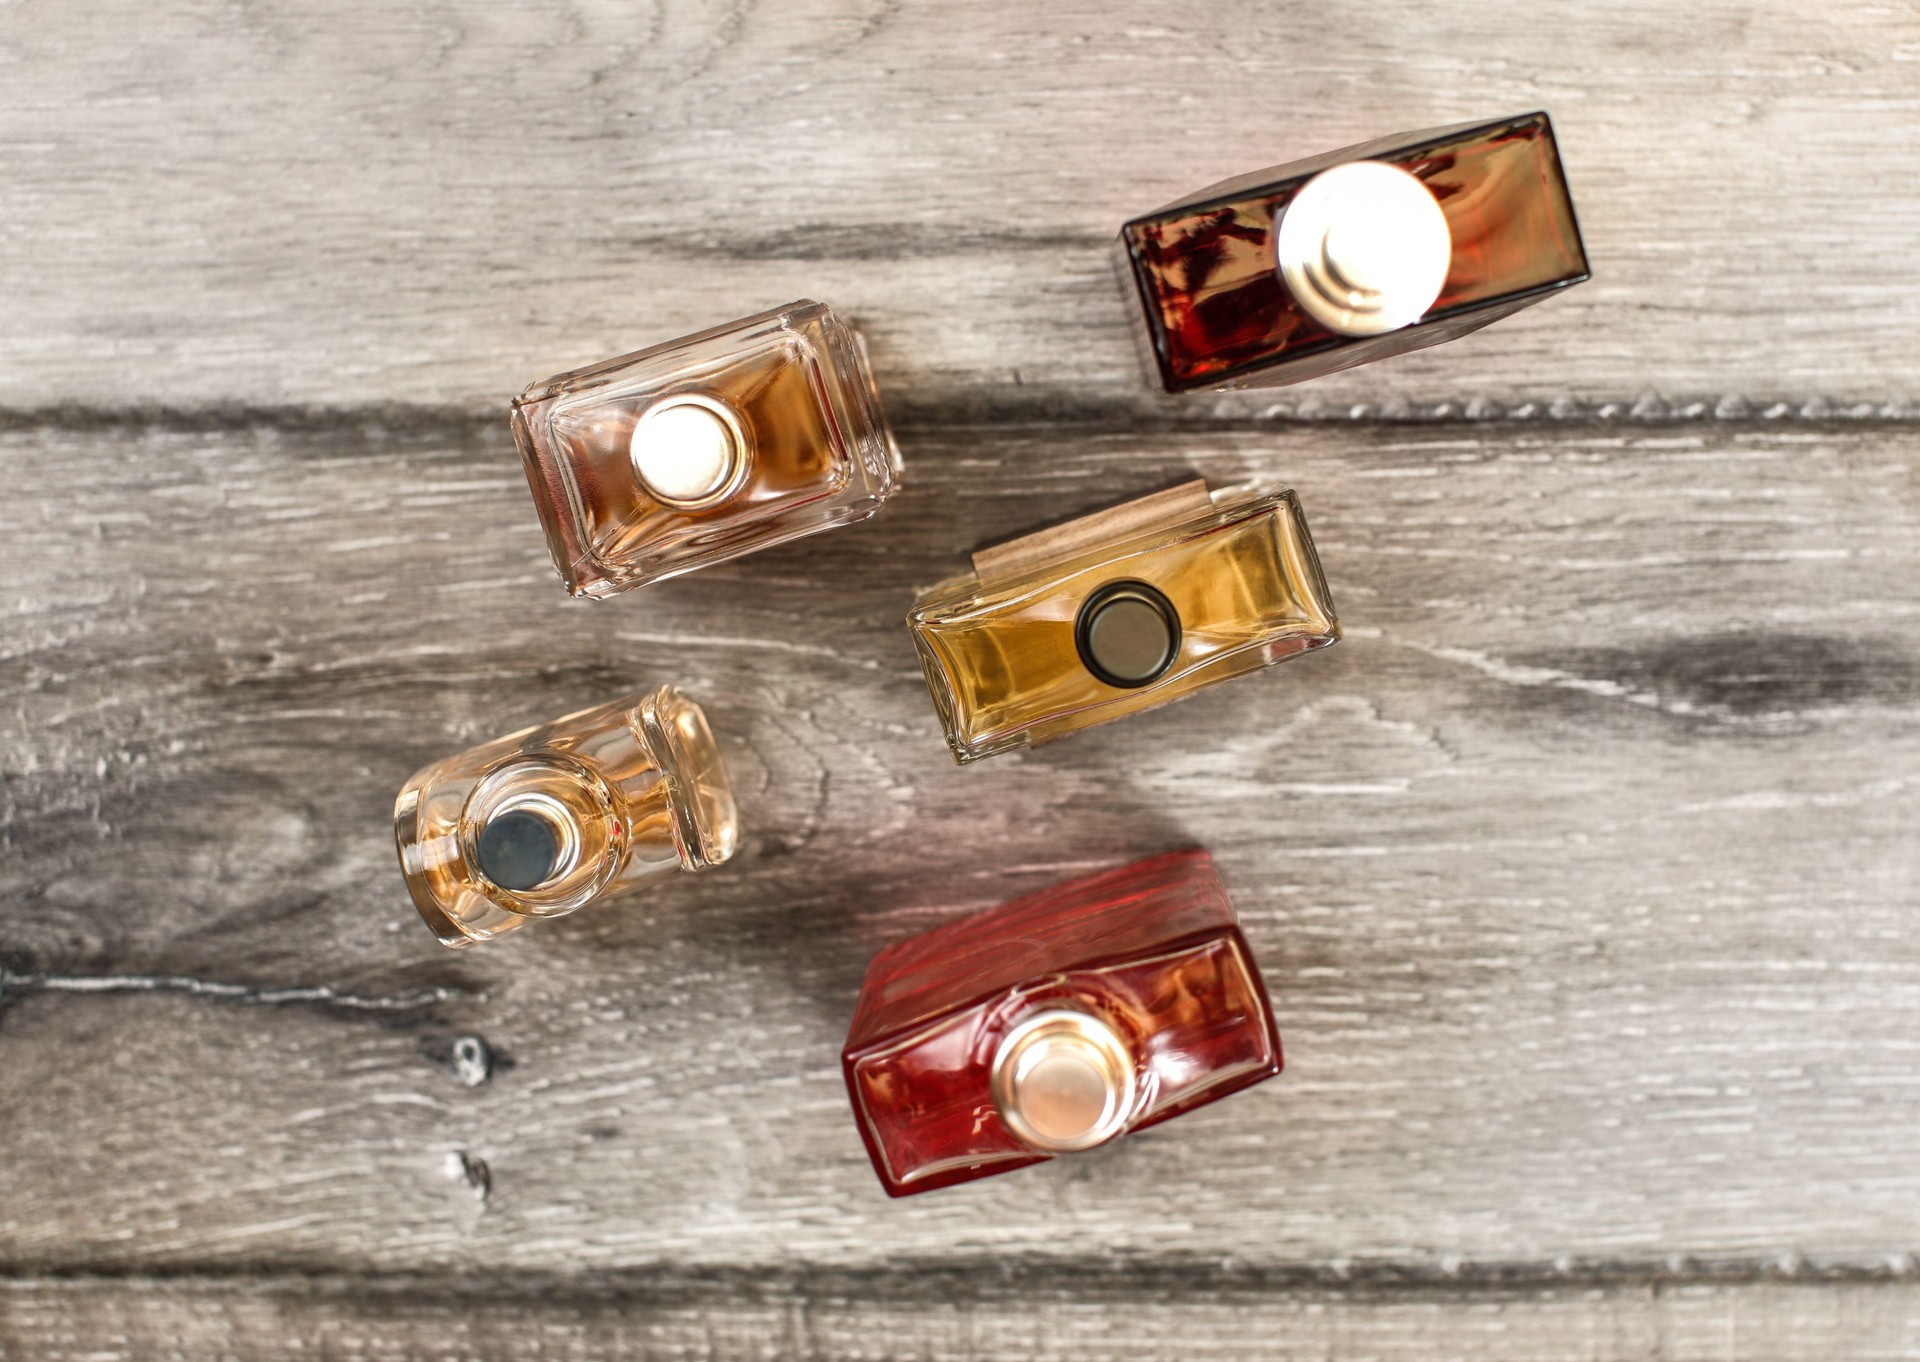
{"x": 1117, "y": 612}
{"x": 542, "y": 822}
{"x": 1378, "y": 249}
{"x": 705, "y": 448}
{"x": 1054, "y": 1023}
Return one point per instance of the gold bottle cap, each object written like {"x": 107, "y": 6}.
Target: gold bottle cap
{"x": 689, "y": 451}
{"x": 1063, "y": 1081}
{"x": 1364, "y": 248}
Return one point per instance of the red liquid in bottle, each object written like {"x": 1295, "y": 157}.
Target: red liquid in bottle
{"x": 1150, "y": 957}
{"x": 1218, "y": 314}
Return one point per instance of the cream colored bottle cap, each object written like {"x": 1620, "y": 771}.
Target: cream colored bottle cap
{"x": 1364, "y": 248}
{"x": 1063, "y": 1081}
{"x": 689, "y": 451}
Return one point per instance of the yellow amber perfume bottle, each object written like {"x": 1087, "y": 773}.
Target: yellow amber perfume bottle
{"x": 543, "y": 822}
{"x": 1118, "y": 612}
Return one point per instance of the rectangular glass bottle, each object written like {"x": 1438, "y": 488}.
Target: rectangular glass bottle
{"x": 1118, "y": 612}
{"x": 1377, "y": 249}
{"x": 1055, "y": 1023}
{"x": 705, "y": 448}
{"x": 542, "y": 822}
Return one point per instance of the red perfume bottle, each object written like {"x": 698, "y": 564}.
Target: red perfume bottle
{"x": 1055, "y": 1023}
{"x": 1374, "y": 250}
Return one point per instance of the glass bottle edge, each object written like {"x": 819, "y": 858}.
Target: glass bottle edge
{"x": 1244, "y": 500}
{"x": 1269, "y": 179}
{"x": 699, "y": 848}
{"x": 588, "y": 377}
{"x": 406, "y": 826}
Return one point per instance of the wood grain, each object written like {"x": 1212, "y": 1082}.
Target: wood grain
{"x": 960, "y": 1319}
{"x": 1582, "y": 872}
{"x": 367, "y": 205}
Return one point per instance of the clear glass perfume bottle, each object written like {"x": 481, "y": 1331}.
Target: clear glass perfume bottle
{"x": 1054, "y": 1023}
{"x": 1374, "y": 250}
{"x": 705, "y": 448}
{"x": 547, "y": 820}
{"x": 1117, "y": 612}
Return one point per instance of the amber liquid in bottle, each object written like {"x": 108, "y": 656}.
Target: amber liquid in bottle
{"x": 1008, "y": 658}
{"x": 1218, "y": 314}
{"x": 706, "y": 448}
{"x": 543, "y": 822}
{"x": 795, "y": 456}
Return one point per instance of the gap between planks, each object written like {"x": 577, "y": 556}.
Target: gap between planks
{"x": 963, "y": 1319}
{"x": 1028, "y": 407}
{"x": 909, "y": 1279}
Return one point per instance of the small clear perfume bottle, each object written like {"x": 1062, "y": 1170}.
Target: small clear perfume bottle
{"x": 1054, "y": 1023}
{"x": 1118, "y": 612}
{"x": 1374, "y": 250}
{"x": 547, "y": 820}
{"x": 705, "y": 448}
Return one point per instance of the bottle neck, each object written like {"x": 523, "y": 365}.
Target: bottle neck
{"x": 526, "y": 841}
{"x": 689, "y": 451}
{"x": 1064, "y": 1080}
{"x": 537, "y": 833}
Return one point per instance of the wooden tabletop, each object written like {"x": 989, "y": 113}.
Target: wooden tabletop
{"x": 1584, "y": 873}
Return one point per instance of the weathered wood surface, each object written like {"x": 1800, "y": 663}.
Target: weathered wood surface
{"x": 941, "y": 1317}
{"x": 371, "y": 203}
{"x": 1584, "y": 872}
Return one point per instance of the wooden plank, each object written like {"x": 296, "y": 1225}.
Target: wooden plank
{"x": 1583, "y": 872}
{"x": 962, "y": 1320}
{"x": 371, "y": 204}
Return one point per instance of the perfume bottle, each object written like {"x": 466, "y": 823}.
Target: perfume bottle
{"x": 1054, "y": 1023}
{"x": 705, "y": 448}
{"x": 1375, "y": 250}
{"x": 1117, "y": 612}
{"x": 547, "y": 820}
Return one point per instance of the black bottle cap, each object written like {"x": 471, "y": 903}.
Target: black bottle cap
{"x": 1128, "y": 634}
{"x": 517, "y": 849}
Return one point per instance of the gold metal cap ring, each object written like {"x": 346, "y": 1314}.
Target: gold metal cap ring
{"x": 1063, "y": 1081}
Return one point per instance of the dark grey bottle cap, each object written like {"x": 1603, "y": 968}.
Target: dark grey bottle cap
{"x": 1128, "y": 634}
{"x": 518, "y": 849}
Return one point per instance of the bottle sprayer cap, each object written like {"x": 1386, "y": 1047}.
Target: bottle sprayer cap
{"x": 1364, "y": 248}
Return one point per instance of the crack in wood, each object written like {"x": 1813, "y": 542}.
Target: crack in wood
{"x": 14, "y": 984}
{"x": 1761, "y": 680}
{"x": 471, "y": 1170}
